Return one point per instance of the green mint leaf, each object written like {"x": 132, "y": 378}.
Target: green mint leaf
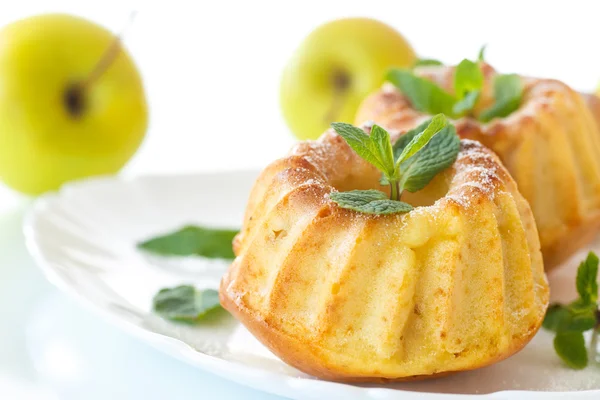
{"x": 467, "y": 78}
{"x": 358, "y": 197}
{"x": 369, "y": 202}
{"x": 185, "y": 303}
{"x": 364, "y": 145}
{"x": 438, "y": 155}
{"x": 556, "y": 316}
{"x": 481, "y": 55}
{"x": 421, "y": 139}
{"x": 468, "y": 83}
{"x": 467, "y": 103}
{"x": 381, "y": 140}
{"x": 580, "y": 321}
{"x": 586, "y": 282}
{"x": 427, "y": 62}
{"x": 508, "y": 92}
{"x": 193, "y": 241}
{"x": 581, "y": 315}
{"x": 424, "y": 95}
{"x": 570, "y": 347}
{"x": 407, "y": 137}
{"x": 570, "y": 319}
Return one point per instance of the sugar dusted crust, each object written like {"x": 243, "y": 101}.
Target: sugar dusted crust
{"x": 551, "y": 146}
{"x": 453, "y": 285}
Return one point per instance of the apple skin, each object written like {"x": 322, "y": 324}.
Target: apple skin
{"x": 361, "y": 49}
{"x": 42, "y": 143}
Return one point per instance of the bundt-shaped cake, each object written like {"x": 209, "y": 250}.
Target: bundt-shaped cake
{"x": 550, "y": 145}
{"x": 455, "y": 284}
{"x": 593, "y": 102}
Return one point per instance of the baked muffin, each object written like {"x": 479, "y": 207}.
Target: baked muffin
{"x": 455, "y": 284}
{"x": 550, "y": 145}
{"x": 593, "y": 102}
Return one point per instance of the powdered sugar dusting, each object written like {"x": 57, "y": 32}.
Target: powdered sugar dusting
{"x": 478, "y": 172}
{"x": 315, "y": 152}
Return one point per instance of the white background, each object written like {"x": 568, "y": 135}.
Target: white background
{"x": 211, "y": 72}
{"x": 212, "y": 68}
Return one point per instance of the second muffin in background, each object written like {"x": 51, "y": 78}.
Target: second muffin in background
{"x": 550, "y": 145}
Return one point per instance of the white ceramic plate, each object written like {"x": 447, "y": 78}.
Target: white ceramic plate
{"x": 84, "y": 240}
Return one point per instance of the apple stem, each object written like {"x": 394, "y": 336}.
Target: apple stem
{"x": 108, "y": 57}
{"x": 341, "y": 84}
{"x": 74, "y": 95}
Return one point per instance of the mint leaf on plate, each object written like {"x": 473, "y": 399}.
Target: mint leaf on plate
{"x": 369, "y": 202}
{"x": 185, "y": 303}
{"x": 570, "y": 346}
{"x": 586, "y": 283}
{"x": 561, "y": 318}
{"x": 193, "y": 241}
{"x": 579, "y": 320}
{"x": 570, "y": 321}
{"x": 556, "y": 316}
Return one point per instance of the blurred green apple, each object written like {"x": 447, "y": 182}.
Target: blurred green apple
{"x": 335, "y": 67}
{"x": 56, "y": 123}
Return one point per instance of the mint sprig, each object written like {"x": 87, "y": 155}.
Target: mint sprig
{"x": 570, "y": 347}
{"x": 570, "y": 321}
{"x": 481, "y": 54}
{"x": 369, "y": 202}
{"x": 587, "y": 285}
{"x": 439, "y": 154}
{"x": 467, "y": 78}
{"x": 193, "y": 241}
{"x": 185, "y": 303}
{"x": 468, "y": 84}
{"x": 427, "y": 62}
{"x": 422, "y": 138}
{"x": 427, "y": 97}
{"x": 423, "y": 94}
{"x": 508, "y": 93}
{"x": 410, "y": 164}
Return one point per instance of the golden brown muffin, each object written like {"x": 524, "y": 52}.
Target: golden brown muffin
{"x": 455, "y": 284}
{"x": 550, "y": 145}
{"x": 593, "y": 102}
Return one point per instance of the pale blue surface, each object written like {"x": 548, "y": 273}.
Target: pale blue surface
{"x": 48, "y": 341}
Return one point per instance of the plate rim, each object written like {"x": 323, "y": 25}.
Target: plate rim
{"x": 287, "y": 385}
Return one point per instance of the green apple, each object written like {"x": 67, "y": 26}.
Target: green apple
{"x": 334, "y": 69}
{"x": 66, "y": 110}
